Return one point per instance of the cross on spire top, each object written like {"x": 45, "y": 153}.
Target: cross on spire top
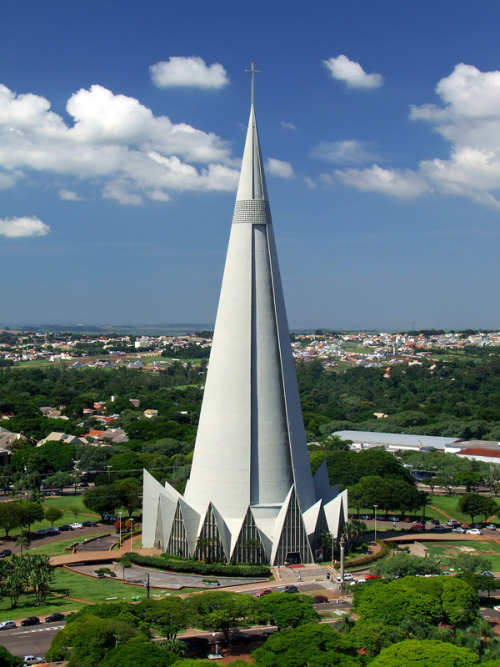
{"x": 253, "y": 72}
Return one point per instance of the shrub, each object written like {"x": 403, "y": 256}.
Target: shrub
{"x": 188, "y": 566}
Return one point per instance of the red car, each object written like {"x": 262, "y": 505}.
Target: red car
{"x": 264, "y": 591}
{"x": 372, "y": 576}
{"x": 321, "y": 598}
{"x": 418, "y": 526}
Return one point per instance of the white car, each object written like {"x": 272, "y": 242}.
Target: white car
{"x": 491, "y": 526}
{"x": 32, "y": 660}
{"x": 474, "y": 531}
{"x": 7, "y": 625}
{"x": 76, "y": 525}
{"x": 458, "y": 530}
{"x": 347, "y": 577}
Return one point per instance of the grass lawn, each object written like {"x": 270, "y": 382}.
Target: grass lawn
{"x": 448, "y": 504}
{"x": 59, "y": 547}
{"x": 84, "y": 588}
{"x": 445, "y": 550}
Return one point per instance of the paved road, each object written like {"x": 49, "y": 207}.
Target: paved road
{"x": 35, "y": 640}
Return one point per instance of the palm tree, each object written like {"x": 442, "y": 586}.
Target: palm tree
{"x": 23, "y": 541}
{"x": 345, "y": 625}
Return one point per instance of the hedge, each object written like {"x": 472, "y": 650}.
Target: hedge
{"x": 370, "y": 558}
{"x": 195, "y": 567}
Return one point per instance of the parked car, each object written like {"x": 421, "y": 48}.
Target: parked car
{"x": 76, "y": 525}
{"x": 487, "y": 573}
{"x": 267, "y": 633}
{"x": 289, "y": 589}
{"x": 372, "y": 576}
{"x": 53, "y": 618}
{"x": 438, "y": 529}
{"x": 52, "y": 531}
{"x": 65, "y": 527}
{"x": 41, "y": 533}
{"x": 5, "y": 552}
{"x": 474, "y": 531}
{"x": 458, "y": 529}
{"x": 31, "y": 620}
{"x": 321, "y": 598}
{"x": 264, "y": 591}
{"x": 7, "y": 625}
{"x": 89, "y": 524}
{"x": 453, "y": 523}
{"x": 491, "y": 526}
{"x": 418, "y": 526}
{"x": 366, "y": 516}
{"x": 32, "y": 660}
{"x": 393, "y": 518}
{"x": 436, "y": 522}
{"x": 347, "y": 577}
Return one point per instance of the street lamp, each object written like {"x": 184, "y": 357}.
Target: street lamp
{"x": 109, "y": 474}
{"x": 342, "y": 555}
{"x": 120, "y": 519}
{"x": 131, "y": 536}
{"x": 375, "y": 507}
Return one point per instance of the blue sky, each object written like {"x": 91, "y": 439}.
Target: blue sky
{"x": 122, "y": 127}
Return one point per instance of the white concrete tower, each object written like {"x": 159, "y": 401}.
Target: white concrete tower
{"x": 250, "y": 495}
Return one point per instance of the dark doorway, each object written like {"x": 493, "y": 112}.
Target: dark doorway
{"x": 293, "y": 558}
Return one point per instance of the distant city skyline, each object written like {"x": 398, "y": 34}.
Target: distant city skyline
{"x": 120, "y": 141}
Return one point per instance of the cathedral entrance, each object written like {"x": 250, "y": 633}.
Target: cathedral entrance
{"x": 293, "y": 558}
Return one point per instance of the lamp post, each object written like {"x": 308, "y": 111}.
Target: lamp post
{"x": 131, "y": 535}
{"x": 120, "y": 520}
{"x": 342, "y": 556}
{"x": 109, "y": 474}
{"x": 375, "y": 507}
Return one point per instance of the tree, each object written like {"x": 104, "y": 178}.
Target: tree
{"x": 130, "y": 493}
{"x": 314, "y": 645}
{"x": 138, "y": 651}
{"x": 85, "y": 641}
{"x": 287, "y": 611}
{"x": 40, "y": 574}
{"x": 474, "y": 504}
{"x": 10, "y": 516}
{"x": 424, "y": 653}
{"x": 221, "y": 611}
{"x": 53, "y": 514}
{"x": 23, "y": 541}
{"x": 390, "y": 603}
{"x": 169, "y": 615}
{"x": 373, "y": 637}
{"x": 59, "y": 480}
{"x": 460, "y": 602}
{"x": 404, "y": 565}
{"x": 9, "y": 660}
{"x": 102, "y": 499}
{"x": 75, "y": 510}
{"x": 468, "y": 564}
{"x": 30, "y": 512}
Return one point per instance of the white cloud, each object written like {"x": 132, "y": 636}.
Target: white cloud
{"x": 287, "y": 126}
{"x": 279, "y": 168}
{"x": 111, "y": 142}
{"x": 13, "y": 228}
{"x": 405, "y": 184}
{"x": 348, "y": 151}
{"x": 351, "y": 73}
{"x": 69, "y": 195}
{"x": 188, "y": 72}
{"x": 469, "y": 121}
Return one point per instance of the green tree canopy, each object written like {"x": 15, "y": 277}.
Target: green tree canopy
{"x": 314, "y": 645}
{"x": 423, "y": 653}
{"x": 286, "y": 611}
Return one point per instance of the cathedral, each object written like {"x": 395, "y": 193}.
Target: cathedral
{"x": 251, "y": 496}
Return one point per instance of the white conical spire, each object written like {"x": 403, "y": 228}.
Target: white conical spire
{"x": 252, "y": 183}
{"x": 250, "y": 478}
{"x": 251, "y": 445}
